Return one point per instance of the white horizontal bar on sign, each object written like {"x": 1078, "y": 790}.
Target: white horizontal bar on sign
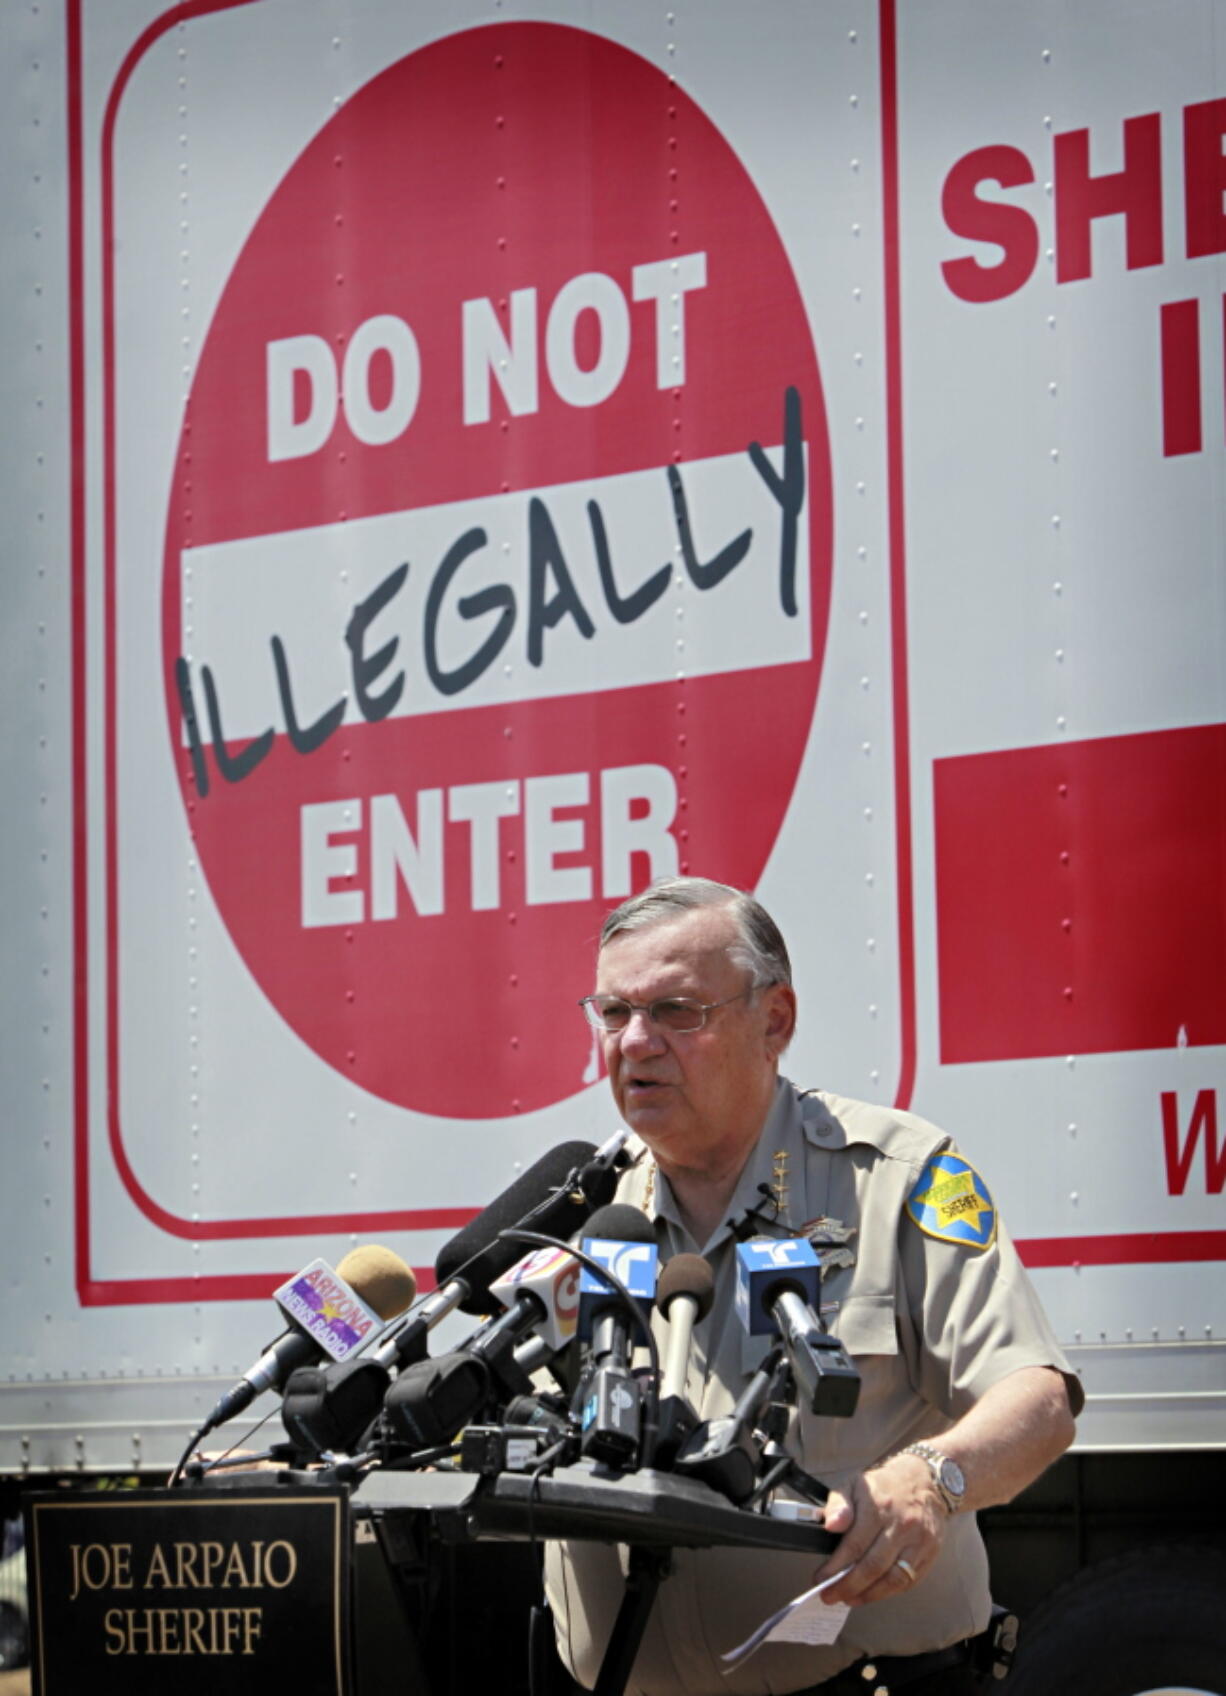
{"x": 477, "y": 622}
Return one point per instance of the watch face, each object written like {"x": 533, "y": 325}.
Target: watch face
{"x": 952, "y": 1477}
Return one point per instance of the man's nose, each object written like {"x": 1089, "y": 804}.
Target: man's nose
{"x": 641, "y": 1034}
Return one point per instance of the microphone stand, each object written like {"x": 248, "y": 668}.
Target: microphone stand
{"x": 648, "y": 1567}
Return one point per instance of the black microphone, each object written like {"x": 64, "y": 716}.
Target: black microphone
{"x": 684, "y": 1295}
{"x": 432, "y": 1400}
{"x": 552, "y": 1196}
{"x": 723, "y": 1452}
{"x": 826, "y": 1376}
{"x": 609, "y": 1395}
{"x": 371, "y": 1284}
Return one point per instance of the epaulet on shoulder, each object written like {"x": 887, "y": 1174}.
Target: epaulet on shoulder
{"x": 837, "y": 1121}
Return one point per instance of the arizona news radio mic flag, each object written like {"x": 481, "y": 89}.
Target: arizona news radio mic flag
{"x": 330, "y": 1313}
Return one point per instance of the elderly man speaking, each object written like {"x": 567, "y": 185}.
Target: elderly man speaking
{"x": 966, "y": 1396}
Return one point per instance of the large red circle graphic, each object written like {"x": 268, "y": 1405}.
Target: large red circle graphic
{"x": 498, "y": 556}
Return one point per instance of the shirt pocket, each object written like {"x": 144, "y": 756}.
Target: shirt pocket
{"x": 831, "y": 1449}
{"x": 864, "y": 1324}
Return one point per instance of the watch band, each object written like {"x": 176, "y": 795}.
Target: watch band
{"x": 947, "y": 1475}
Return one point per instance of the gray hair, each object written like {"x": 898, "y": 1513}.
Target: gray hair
{"x": 759, "y": 948}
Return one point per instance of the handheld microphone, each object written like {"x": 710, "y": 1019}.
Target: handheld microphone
{"x": 543, "y": 1287}
{"x": 623, "y": 1239}
{"x": 333, "y": 1313}
{"x": 684, "y": 1295}
{"x": 777, "y": 1282}
{"x": 723, "y": 1452}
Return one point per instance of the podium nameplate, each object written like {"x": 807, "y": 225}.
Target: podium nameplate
{"x": 191, "y": 1590}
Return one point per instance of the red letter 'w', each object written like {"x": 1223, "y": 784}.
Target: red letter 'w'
{"x": 1179, "y": 1160}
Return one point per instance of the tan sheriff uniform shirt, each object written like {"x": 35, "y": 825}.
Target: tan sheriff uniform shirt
{"x": 931, "y": 1321}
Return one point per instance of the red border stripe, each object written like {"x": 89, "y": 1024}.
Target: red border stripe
{"x": 1141, "y": 1248}
{"x": 888, "y": 50}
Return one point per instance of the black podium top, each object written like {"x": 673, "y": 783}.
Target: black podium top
{"x": 586, "y": 1502}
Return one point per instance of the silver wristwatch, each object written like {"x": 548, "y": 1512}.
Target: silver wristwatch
{"x": 947, "y": 1475}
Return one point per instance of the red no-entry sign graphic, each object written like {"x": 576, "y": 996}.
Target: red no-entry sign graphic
{"x": 498, "y": 556}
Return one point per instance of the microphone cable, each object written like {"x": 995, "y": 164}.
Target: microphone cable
{"x": 651, "y": 1422}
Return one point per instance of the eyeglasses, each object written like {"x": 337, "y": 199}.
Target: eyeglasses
{"x": 673, "y": 1013}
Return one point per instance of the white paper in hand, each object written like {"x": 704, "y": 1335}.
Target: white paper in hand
{"x": 806, "y": 1619}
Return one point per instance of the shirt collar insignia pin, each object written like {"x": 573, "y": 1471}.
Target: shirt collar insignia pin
{"x": 779, "y": 1182}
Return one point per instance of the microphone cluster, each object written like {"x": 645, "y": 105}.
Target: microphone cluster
{"x": 360, "y": 1388}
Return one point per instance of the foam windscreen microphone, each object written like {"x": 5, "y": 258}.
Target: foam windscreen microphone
{"x": 554, "y": 1191}
{"x": 547, "y": 1198}
{"x": 331, "y": 1313}
{"x": 684, "y": 1295}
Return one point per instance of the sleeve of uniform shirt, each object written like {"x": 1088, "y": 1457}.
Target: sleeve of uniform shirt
{"x": 970, "y": 1316}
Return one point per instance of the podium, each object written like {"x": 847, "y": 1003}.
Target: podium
{"x": 651, "y": 1512}
{"x": 387, "y": 1584}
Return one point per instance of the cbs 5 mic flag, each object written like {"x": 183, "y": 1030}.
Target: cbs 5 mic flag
{"x": 551, "y": 1277}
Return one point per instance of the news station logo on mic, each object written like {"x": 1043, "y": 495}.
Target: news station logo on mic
{"x": 323, "y": 1304}
{"x": 552, "y": 1274}
{"x": 763, "y": 1266}
{"x": 635, "y": 1264}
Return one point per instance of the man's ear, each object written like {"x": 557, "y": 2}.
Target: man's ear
{"x": 780, "y": 1002}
